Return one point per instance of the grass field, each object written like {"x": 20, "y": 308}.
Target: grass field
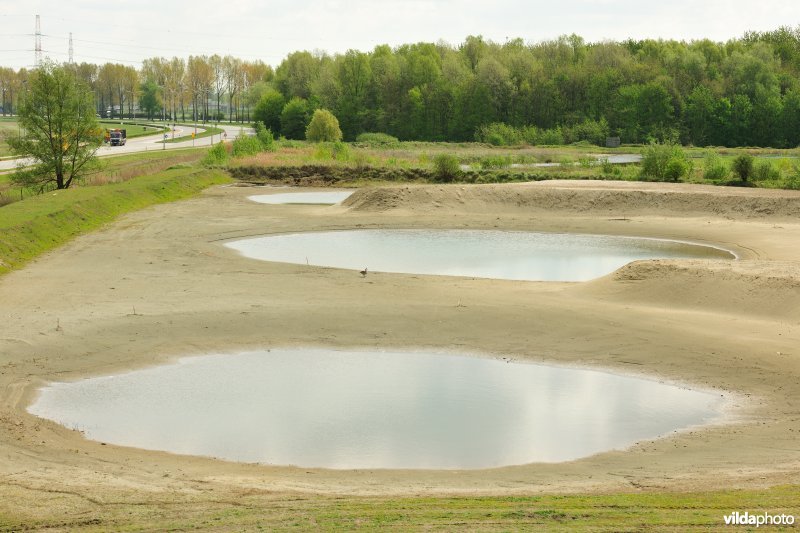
{"x": 549, "y": 512}
{"x": 132, "y": 129}
{"x": 8, "y": 126}
{"x": 209, "y": 130}
{"x": 488, "y": 164}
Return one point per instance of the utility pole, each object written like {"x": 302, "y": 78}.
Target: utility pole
{"x": 70, "y": 48}
{"x": 38, "y": 47}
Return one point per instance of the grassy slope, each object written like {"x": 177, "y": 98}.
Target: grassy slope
{"x": 41, "y": 223}
{"x": 268, "y": 512}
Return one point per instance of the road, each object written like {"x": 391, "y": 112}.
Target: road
{"x": 153, "y": 142}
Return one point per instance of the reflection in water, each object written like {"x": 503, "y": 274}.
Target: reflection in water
{"x": 326, "y": 198}
{"x": 475, "y": 253}
{"x": 334, "y": 409}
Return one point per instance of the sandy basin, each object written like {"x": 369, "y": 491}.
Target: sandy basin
{"x": 158, "y": 284}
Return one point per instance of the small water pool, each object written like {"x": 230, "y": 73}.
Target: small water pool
{"x": 322, "y": 198}
{"x": 355, "y": 409}
{"x": 511, "y": 255}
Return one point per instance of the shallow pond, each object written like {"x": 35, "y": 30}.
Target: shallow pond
{"x": 353, "y": 409}
{"x": 324, "y": 198}
{"x": 474, "y": 253}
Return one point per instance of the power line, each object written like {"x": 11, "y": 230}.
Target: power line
{"x": 38, "y": 53}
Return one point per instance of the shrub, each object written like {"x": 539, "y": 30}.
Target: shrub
{"x": 216, "y": 156}
{"x": 714, "y": 168}
{"x": 764, "y": 171}
{"x": 245, "y": 145}
{"x": 340, "y": 151}
{"x": 589, "y": 131}
{"x": 499, "y": 134}
{"x": 792, "y": 179}
{"x": 324, "y": 127}
{"x": 265, "y": 137}
{"x": 608, "y": 168}
{"x": 376, "y": 138}
{"x": 496, "y": 161}
{"x": 446, "y": 167}
{"x": 743, "y": 166}
{"x": 664, "y": 162}
{"x": 551, "y": 137}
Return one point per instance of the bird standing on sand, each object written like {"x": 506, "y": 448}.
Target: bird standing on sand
{"x": 364, "y": 273}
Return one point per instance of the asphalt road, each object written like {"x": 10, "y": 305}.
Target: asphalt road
{"x": 153, "y": 142}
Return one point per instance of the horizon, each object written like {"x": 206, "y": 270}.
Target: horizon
{"x": 245, "y": 31}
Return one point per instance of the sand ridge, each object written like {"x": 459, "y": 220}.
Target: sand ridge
{"x": 158, "y": 284}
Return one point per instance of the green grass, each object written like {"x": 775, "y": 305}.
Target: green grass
{"x": 41, "y": 223}
{"x": 8, "y": 126}
{"x": 132, "y": 129}
{"x": 209, "y": 131}
{"x": 264, "y": 511}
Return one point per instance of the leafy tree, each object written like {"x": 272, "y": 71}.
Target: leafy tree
{"x": 294, "y": 119}
{"x": 323, "y": 127}
{"x": 61, "y": 136}
{"x": 150, "y": 98}
{"x": 268, "y": 110}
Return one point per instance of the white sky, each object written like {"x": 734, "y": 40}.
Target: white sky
{"x": 128, "y": 31}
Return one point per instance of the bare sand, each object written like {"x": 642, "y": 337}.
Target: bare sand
{"x": 158, "y": 284}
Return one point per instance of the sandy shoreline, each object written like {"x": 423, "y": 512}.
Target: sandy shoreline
{"x": 158, "y": 284}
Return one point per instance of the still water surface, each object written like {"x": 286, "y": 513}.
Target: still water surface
{"x": 512, "y": 255}
{"x": 324, "y": 198}
{"x": 353, "y": 409}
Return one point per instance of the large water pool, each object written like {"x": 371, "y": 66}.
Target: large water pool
{"x": 356, "y": 409}
{"x": 512, "y": 255}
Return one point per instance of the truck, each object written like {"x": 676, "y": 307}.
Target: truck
{"x": 116, "y": 137}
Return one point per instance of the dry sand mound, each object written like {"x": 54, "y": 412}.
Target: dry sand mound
{"x": 620, "y": 198}
{"x": 769, "y": 290}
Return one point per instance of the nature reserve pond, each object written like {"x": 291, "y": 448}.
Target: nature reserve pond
{"x": 354, "y": 409}
{"x": 511, "y": 255}
{"x": 324, "y": 198}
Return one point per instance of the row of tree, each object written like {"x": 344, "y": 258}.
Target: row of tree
{"x": 742, "y": 92}
{"x": 163, "y": 88}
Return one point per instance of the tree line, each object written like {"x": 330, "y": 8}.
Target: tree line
{"x": 744, "y": 92}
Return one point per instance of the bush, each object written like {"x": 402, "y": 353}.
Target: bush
{"x": 743, "y": 166}
{"x": 216, "y": 156}
{"x": 551, "y": 137}
{"x": 792, "y": 180}
{"x": 499, "y": 134}
{"x": 496, "y": 161}
{"x": 265, "y": 137}
{"x": 446, "y": 167}
{"x": 764, "y": 171}
{"x": 376, "y": 138}
{"x": 714, "y": 168}
{"x": 337, "y": 151}
{"x": 590, "y": 131}
{"x": 664, "y": 162}
{"x": 245, "y": 145}
{"x": 324, "y": 127}
{"x": 608, "y": 168}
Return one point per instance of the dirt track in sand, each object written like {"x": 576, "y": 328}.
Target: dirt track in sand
{"x": 158, "y": 284}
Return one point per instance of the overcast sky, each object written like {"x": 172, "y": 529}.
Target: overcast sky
{"x": 131, "y": 30}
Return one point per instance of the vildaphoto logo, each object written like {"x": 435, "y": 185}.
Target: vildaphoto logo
{"x": 763, "y": 519}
